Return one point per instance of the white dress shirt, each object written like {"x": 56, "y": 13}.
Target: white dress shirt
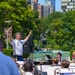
{"x": 17, "y": 46}
{"x": 28, "y": 73}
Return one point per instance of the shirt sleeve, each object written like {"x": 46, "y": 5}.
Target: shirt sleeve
{"x": 23, "y": 41}
{"x": 12, "y": 42}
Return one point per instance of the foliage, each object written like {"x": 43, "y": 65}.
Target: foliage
{"x": 22, "y": 18}
{"x": 19, "y": 13}
{"x": 9, "y": 52}
{"x": 58, "y": 26}
{"x": 61, "y": 30}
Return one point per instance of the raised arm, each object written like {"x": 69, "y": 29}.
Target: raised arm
{"x": 28, "y": 36}
{"x": 10, "y": 33}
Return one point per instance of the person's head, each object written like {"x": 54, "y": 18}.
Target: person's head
{"x": 59, "y": 55}
{"x": 1, "y": 46}
{"x": 28, "y": 67}
{"x": 18, "y": 35}
{"x": 55, "y": 61}
{"x": 73, "y": 53}
{"x": 65, "y": 64}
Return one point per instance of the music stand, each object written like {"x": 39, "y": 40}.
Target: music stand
{"x": 48, "y": 56}
{"x": 49, "y": 59}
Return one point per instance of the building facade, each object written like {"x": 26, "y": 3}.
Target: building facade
{"x": 52, "y": 3}
{"x": 67, "y": 5}
{"x": 38, "y": 7}
{"x": 33, "y": 5}
{"x": 35, "y": 1}
{"x": 40, "y": 10}
{"x": 47, "y": 9}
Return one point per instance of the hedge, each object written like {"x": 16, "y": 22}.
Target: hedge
{"x": 9, "y": 52}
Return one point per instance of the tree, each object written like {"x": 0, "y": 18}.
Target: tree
{"x": 21, "y": 16}
{"x": 19, "y": 12}
{"x": 55, "y": 15}
{"x": 61, "y": 29}
{"x": 69, "y": 25}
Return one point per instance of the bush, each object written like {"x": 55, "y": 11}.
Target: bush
{"x": 57, "y": 47}
{"x": 9, "y": 52}
{"x": 65, "y": 47}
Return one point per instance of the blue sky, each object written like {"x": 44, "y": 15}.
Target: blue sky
{"x": 41, "y": 2}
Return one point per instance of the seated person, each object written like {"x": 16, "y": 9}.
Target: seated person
{"x": 55, "y": 61}
{"x": 50, "y": 62}
{"x": 65, "y": 64}
{"x": 49, "y": 59}
{"x": 73, "y": 56}
{"x": 28, "y": 68}
{"x": 59, "y": 55}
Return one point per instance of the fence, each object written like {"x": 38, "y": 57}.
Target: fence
{"x": 41, "y": 55}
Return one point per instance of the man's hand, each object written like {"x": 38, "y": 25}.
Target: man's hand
{"x": 30, "y": 32}
{"x": 10, "y": 33}
{"x": 9, "y": 29}
{"x": 28, "y": 35}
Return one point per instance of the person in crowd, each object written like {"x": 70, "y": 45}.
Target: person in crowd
{"x": 21, "y": 70}
{"x": 7, "y": 65}
{"x": 28, "y": 68}
{"x": 1, "y": 46}
{"x": 49, "y": 59}
{"x": 17, "y": 44}
{"x": 73, "y": 56}
{"x": 59, "y": 56}
{"x": 55, "y": 61}
{"x": 50, "y": 62}
{"x": 15, "y": 60}
{"x": 65, "y": 64}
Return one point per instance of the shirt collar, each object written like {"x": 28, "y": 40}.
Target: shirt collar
{"x": 17, "y": 40}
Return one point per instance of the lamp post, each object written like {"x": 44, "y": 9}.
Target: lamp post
{"x": 7, "y": 31}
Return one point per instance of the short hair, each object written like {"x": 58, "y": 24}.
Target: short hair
{"x": 59, "y": 54}
{"x": 28, "y": 67}
{"x": 55, "y": 60}
{"x": 65, "y": 63}
{"x": 18, "y": 33}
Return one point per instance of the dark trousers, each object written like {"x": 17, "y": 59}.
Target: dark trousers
{"x": 19, "y": 58}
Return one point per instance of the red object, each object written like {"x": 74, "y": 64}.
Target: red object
{"x": 73, "y": 56}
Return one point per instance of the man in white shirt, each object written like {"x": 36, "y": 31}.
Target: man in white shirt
{"x": 17, "y": 44}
